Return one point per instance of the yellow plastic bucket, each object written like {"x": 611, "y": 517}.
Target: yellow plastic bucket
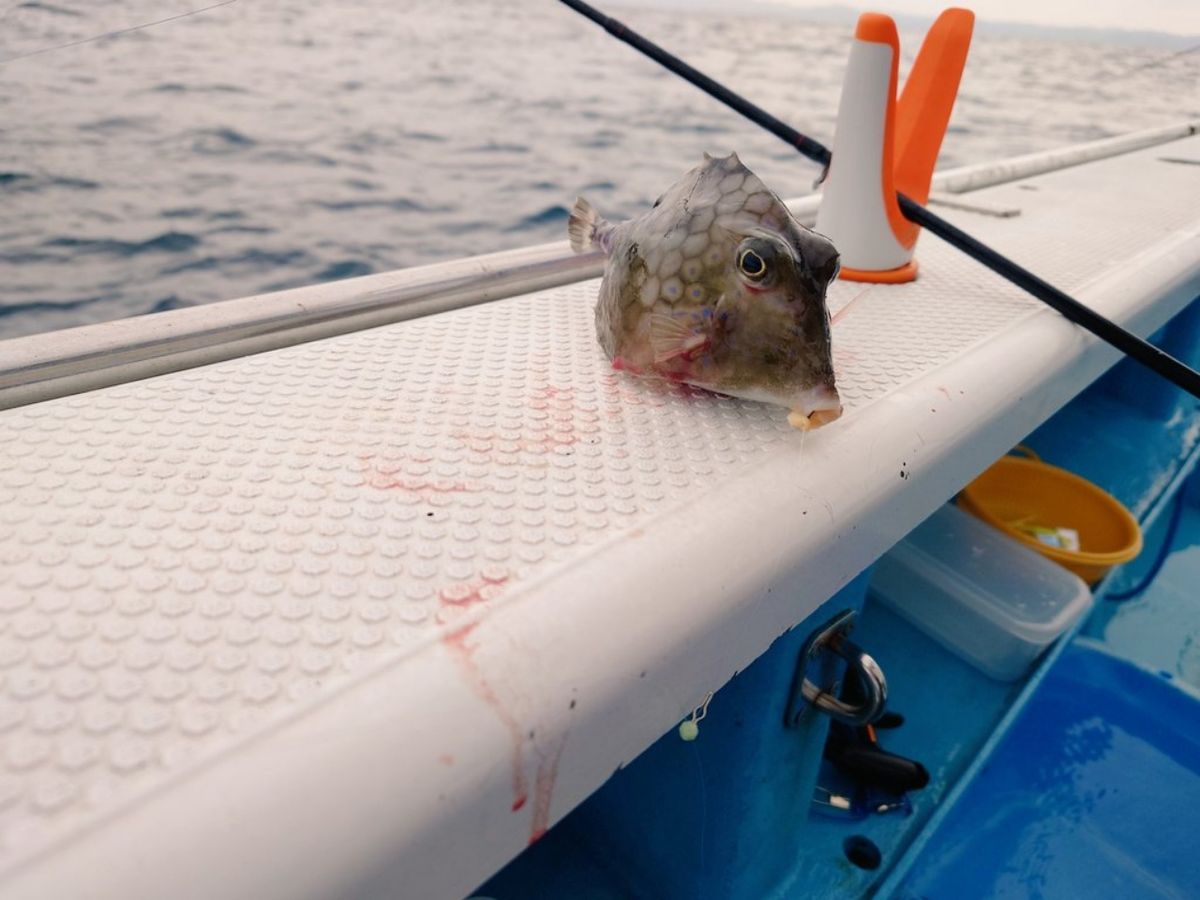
{"x": 1018, "y": 494}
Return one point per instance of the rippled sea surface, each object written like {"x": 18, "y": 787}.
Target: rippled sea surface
{"x": 273, "y": 143}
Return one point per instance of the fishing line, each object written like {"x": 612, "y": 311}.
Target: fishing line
{"x": 1154, "y": 64}
{"x": 98, "y": 37}
{"x": 1128, "y": 343}
{"x": 813, "y": 149}
{"x": 841, "y": 313}
{"x": 1164, "y": 551}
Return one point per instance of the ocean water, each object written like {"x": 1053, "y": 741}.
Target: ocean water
{"x": 266, "y": 144}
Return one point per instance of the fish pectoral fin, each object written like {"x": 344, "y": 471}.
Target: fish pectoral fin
{"x": 671, "y": 337}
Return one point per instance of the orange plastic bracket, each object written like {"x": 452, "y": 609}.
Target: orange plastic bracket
{"x": 923, "y": 110}
{"x": 916, "y": 122}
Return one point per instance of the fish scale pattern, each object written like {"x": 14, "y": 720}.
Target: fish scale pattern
{"x": 187, "y": 558}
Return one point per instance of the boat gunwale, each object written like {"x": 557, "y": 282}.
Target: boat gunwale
{"x": 60, "y": 363}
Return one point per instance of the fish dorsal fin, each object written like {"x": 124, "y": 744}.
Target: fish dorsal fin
{"x": 740, "y": 197}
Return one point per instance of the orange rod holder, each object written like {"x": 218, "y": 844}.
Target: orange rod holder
{"x": 886, "y": 145}
{"x": 923, "y": 110}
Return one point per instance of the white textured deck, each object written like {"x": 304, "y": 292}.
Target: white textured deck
{"x": 374, "y": 610}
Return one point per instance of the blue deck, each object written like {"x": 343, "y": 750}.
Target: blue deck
{"x": 1079, "y": 780}
{"x": 1160, "y": 627}
{"x": 1092, "y": 793}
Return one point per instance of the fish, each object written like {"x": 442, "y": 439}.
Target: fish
{"x": 718, "y": 286}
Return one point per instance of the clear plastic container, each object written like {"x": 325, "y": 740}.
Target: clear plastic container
{"x": 985, "y": 597}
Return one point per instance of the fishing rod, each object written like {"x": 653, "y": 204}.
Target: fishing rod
{"x": 1105, "y": 329}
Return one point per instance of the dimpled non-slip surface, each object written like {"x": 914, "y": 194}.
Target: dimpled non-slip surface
{"x": 188, "y": 558}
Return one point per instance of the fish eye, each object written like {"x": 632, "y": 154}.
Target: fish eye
{"x": 752, "y": 265}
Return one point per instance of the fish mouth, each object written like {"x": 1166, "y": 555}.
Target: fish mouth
{"x": 816, "y": 407}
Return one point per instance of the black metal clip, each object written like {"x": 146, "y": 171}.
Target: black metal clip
{"x": 805, "y": 694}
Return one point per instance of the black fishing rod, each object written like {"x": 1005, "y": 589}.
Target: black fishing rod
{"x": 1105, "y": 329}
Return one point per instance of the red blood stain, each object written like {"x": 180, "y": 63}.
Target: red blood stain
{"x": 461, "y": 595}
{"x": 620, "y": 364}
{"x": 691, "y": 392}
{"x": 489, "y": 445}
{"x": 389, "y": 474}
{"x": 464, "y": 654}
{"x": 547, "y": 443}
{"x": 543, "y": 790}
{"x": 545, "y": 397}
{"x": 843, "y": 360}
{"x": 468, "y": 593}
{"x": 446, "y": 759}
{"x": 416, "y": 485}
{"x": 456, "y": 642}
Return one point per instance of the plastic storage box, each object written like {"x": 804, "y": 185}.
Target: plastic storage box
{"x": 985, "y": 597}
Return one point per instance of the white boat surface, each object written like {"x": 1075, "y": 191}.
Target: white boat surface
{"x": 345, "y": 593}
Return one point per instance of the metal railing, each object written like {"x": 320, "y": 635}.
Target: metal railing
{"x": 55, "y": 364}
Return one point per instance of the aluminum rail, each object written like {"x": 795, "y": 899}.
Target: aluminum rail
{"x": 55, "y": 364}
{"x": 972, "y": 178}
{"x": 70, "y": 361}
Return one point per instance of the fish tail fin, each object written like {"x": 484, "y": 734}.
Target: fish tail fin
{"x": 586, "y": 229}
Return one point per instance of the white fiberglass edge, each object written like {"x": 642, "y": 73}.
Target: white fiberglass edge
{"x": 73, "y": 360}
